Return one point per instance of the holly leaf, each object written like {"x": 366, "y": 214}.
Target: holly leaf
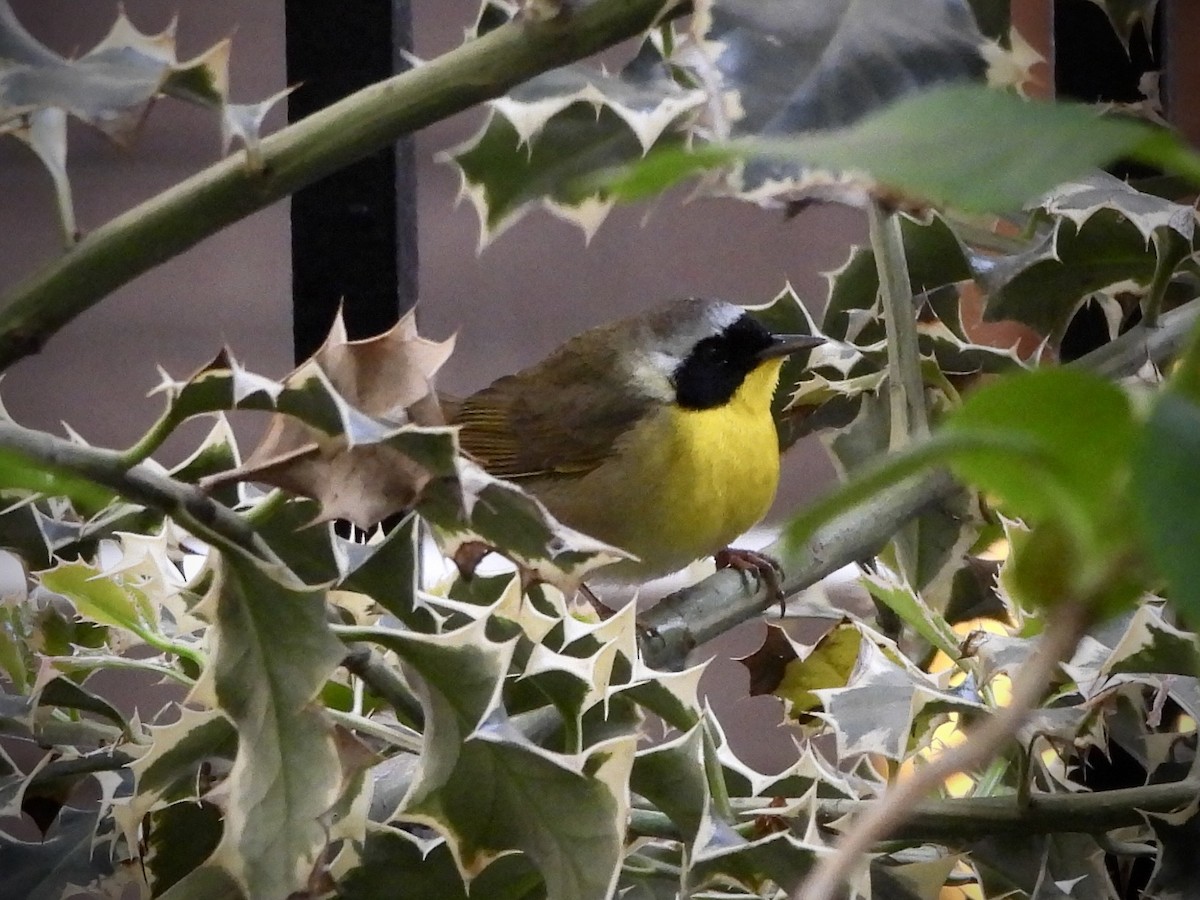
{"x": 274, "y": 652}
{"x": 478, "y": 508}
{"x": 110, "y": 87}
{"x": 1059, "y": 866}
{"x": 1176, "y": 834}
{"x": 912, "y": 610}
{"x": 1164, "y": 488}
{"x": 802, "y": 66}
{"x": 68, "y": 856}
{"x": 922, "y": 879}
{"x": 671, "y": 776}
{"x": 430, "y": 872}
{"x": 828, "y": 664}
{"x": 1125, "y": 15}
{"x": 963, "y": 146}
{"x": 169, "y": 770}
{"x": 490, "y": 790}
{"x": 1099, "y": 230}
{"x": 342, "y": 436}
{"x": 1152, "y": 644}
{"x": 546, "y": 137}
{"x": 878, "y": 708}
{"x": 726, "y": 855}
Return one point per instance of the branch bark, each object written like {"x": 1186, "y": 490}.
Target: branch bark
{"x": 300, "y": 154}
{"x": 188, "y": 505}
{"x": 959, "y": 821}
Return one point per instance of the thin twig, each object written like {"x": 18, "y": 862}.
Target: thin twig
{"x": 366, "y": 663}
{"x": 908, "y": 419}
{"x": 187, "y": 505}
{"x": 1067, "y": 624}
{"x": 100, "y": 761}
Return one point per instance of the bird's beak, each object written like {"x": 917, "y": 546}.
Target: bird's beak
{"x": 786, "y": 344}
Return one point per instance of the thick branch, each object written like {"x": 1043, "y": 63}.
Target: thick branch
{"x": 338, "y": 135}
{"x": 958, "y": 821}
{"x": 686, "y": 619}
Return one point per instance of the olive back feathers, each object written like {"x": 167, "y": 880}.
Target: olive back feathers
{"x": 567, "y": 414}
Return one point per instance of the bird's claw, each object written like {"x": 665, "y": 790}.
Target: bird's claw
{"x": 763, "y": 567}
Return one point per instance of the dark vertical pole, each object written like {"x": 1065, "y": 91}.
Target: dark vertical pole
{"x": 354, "y": 237}
{"x": 1089, "y": 62}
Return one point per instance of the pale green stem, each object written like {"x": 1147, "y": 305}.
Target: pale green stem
{"x": 905, "y": 385}
{"x": 1164, "y": 267}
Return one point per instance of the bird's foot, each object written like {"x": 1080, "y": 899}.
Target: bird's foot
{"x": 765, "y": 568}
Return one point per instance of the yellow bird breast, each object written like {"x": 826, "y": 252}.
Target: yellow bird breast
{"x": 682, "y": 483}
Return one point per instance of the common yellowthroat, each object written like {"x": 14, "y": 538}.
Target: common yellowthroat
{"x": 653, "y": 434}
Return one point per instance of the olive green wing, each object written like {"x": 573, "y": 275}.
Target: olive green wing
{"x": 561, "y": 417}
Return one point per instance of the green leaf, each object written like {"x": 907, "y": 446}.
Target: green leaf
{"x": 671, "y": 776}
{"x": 1072, "y": 863}
{"x": 547, "y": 137}
{"x": 491, "y": 790}
{"x": 1099, "y": 236}
{"x": 388, "y": 575}
{"x": 886, "y": 706}
{"x": 567, "y": 813}
{"x": 935, "y": 257}
{"x": 68, "y": 856}
{"x": 111, "y": 87}
{"x": 179, "y": 838}
{"x": 396, "y": 865}
{"x": 100, "y": 597}
{"x": 274, "y": 651}
{"x": 1174, "y": 869}
{"x": 913, "y": 611}
{"x": 1078, "y": 427}
{"x": 169, "y": 771}
{"x": 21, "y": 473}
{"x": 924, "y": 880}
{"x": 67, "y": 694}
{"x": 481, "y": 508}
{"x": 1152, "y": 644}
{"x": 972, "y": 148}
{"x": 1166, "y": 493}
{"x": 781, "y": 857}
